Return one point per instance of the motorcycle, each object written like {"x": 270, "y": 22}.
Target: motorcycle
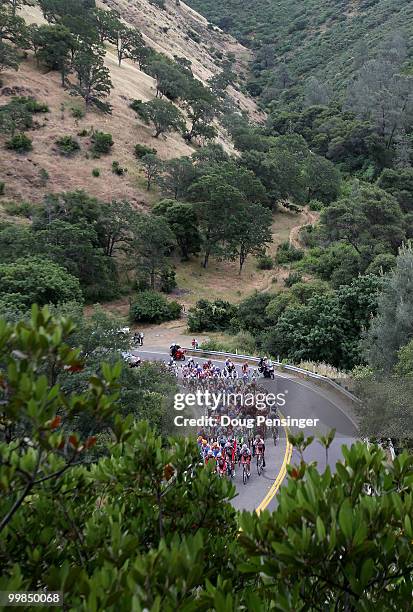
{"x": 178, "y": 354}
{"x": 267, "y": 371}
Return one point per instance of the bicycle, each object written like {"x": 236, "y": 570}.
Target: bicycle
{"x": 245, "y": 474}
{"x": 231, "y": 469}
{"x": 260, "y": 463}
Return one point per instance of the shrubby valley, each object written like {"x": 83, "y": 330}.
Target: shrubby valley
{"x": 243, "y": 174}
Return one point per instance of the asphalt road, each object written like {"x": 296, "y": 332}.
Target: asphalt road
{"x": 303, "y": 400}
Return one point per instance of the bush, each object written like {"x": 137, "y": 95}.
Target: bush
{"x": 381, "y": 264}
{"x": 32, "y": 105}
{"x": 251, "y": 314}
{"x": 243, "y": 342}
{"x": 96, "y": 172}
{"x": 292, "y": 279}
{"x": 20, "y": 143}
{"x": 142, "y": 150}
{"x": 77, "y": 113}
{"x": 279, "y": 304}
{"x": 83, "y": 133}
{"x": 24, "y": 209}
{"x": 211, "y": 316}
{"x": 152, "y": 307}
{"x": 43, "y": 176}
{"x": 30, "y": 280}
{"x": 117, "y": 169}
{"x": 316, "y": 205}
{"x": 139, "y": 107}
{"x": 287, "y": 253}
{"x": 265, "y": 262}
{"x": 168, "y": 281}
{"x": 67, "y": 145}
{"x": 102, "y": 143}
{"x": 214, "y": 345}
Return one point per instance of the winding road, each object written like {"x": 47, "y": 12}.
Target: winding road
{"x": 304, "y": 400}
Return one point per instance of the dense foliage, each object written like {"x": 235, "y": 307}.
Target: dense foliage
{"x": 387, "y": 346}
{"x": 130, "y": 520}
{"x": 294, "y": 40}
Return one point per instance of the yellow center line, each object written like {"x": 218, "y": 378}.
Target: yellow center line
{"x": 280, "y": 476}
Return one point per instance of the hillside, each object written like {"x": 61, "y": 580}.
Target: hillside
{"x": 181, "y": 31}
{"x": 24, "y": 176}
{"x": 293, "y": 40}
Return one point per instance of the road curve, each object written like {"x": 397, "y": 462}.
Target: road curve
{"x": 304, "y": 400}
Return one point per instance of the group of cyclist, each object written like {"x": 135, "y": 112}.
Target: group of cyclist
{"x": 227, "y": 449}
{"x": 196, "y": 371}
{"x": 227, "y": 452}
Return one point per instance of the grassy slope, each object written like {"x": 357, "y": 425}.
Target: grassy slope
{"x": 21, "y": 173}
{"x": 221, "y": 280}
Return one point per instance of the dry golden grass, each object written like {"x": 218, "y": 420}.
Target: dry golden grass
{"x": 221, "y": 279}
{"x": 178, "y": 21}
{"x": 21, "y": 173}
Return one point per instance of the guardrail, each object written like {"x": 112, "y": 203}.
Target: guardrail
{"x": 281, "y": 366}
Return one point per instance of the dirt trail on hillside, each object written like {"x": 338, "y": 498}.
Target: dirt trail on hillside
{"x": 308, "y": 217}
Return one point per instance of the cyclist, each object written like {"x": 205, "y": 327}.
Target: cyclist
{"x": 229, "y": 456}
{"x": 259, "y": 448}
{"x": 204, "y": 448}
{"x": 210, "y": 457}
{"x": 222, "y": 440}
{"x": 221, "y": 465}
{"x": 245, "y": 458}
{"x": 245, "y": 372}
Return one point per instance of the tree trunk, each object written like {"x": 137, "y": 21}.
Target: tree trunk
{"x": 242, "y": 259}
{"x": 206, "y": 258}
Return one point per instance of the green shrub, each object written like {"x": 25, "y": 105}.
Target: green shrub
{"x": 142, "y": 150}
{"x": 168, "y": 280}
{"x": 381, "y": 264}
{"x": 152, "y": 307}
{"x": 20, "y": 143}
{"x": 194, "y": 36}
{"x": 211, "y": 316}
{"x": 117, "y": 169}
{"x": 83, "y": 133}
{"x": 102, "y": 143}
{"x": 32, "y": 105}
{"x": 96, "y": 172}
{"x": 293, "y": 278}
{"x": 316, "y": 205}
{"x": 139, "y": 107}
{"x": 77, "y": 112}
{"x": 287, "y": 253}
{"x": 2, "y": 186}
{"x": 214, "y": 345}
{"x": 43, "y": 176}
{"x": 23, "y": 209}
{"x": 265, "y": 262}
{"x": 67, "y": 145}
{"x": 251, "y": 315}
